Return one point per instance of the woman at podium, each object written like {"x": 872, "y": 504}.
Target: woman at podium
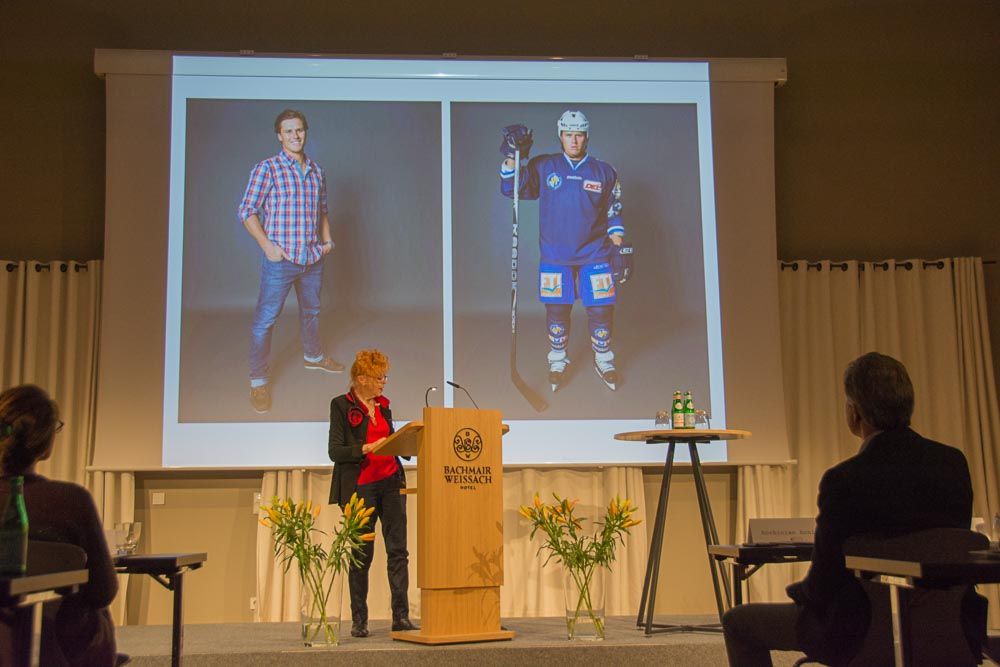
{"x": 359, "y": 421}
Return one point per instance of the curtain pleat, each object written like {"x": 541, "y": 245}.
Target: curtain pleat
{"x": 12, "y": 286}
{"x": 764, "y": 491}
{"x": 50, "y": 339}
{"x": 114, "y": 495}
{"x": 979, "y": 414}
{"x": 820, "y": 331}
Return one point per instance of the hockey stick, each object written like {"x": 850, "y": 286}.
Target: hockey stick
{"x": 536, "y": 401}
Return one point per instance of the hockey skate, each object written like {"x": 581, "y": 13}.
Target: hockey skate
{"x": 557, "y": 367}
{"x": 604, "y": 364}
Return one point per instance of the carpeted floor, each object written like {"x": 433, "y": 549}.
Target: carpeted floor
{"x": 539, "y": 641}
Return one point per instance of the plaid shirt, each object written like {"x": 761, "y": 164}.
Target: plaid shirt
{"x": 289, "y": 203}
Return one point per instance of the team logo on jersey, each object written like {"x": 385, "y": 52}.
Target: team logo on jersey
{"x": 592, "y": 186}
{"x": 551, "y": 285}
{"x": 602, "y": 285}
{"x": 553, "y": 180}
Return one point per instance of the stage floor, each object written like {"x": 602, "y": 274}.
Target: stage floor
{"x": 538, "y": 641}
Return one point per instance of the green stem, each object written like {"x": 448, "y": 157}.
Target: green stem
{"x": 584, "y": 599}
{"x": 319, "y": 596}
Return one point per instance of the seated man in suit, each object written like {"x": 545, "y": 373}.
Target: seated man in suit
{"x": 897, "y": 482}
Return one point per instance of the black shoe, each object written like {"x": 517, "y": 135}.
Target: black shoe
{"x": 360, "y": 630}
{"x": 403, "y": 625}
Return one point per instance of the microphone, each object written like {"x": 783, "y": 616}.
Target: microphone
{"x": 458, "y": 386}
{"x": 427, "y": 394}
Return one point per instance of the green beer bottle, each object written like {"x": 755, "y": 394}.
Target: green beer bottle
{"x": 14, "y": 531}
{"x": 688, "y": 410}
{"x": 677, "y": 411}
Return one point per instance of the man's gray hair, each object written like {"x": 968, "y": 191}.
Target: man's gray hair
{"x": 880, "y": 389}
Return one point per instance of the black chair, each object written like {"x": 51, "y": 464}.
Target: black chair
{"x": 936, "y": 616}
{"x": 45, "y": 557}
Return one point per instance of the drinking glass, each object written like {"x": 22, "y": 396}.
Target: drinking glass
{"x": 127, "y": 536}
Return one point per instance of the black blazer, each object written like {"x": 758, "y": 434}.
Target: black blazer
{"x": 345, "y": 443}
{"x": 899, "y": 482}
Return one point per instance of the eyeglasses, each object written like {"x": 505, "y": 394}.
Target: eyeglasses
{"x": 60, "y": 425}
{"x": 383, "y": 378}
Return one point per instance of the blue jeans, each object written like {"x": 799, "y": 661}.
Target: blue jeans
{"x": 276, "y": 280}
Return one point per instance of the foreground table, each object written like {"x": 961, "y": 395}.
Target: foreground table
{"x": 748, "y": 558}
{"x": 903, "y": 575}
{"x": 21, "y": 595}
{"x": 692, "y": 438}
{"x": 167, "y": 570}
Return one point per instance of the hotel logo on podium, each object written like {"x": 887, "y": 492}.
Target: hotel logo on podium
{"x": 467, "y": 443}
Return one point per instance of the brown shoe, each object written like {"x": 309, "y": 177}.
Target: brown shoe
{"x": 325, "y": 364}
{"x": 260, "y": 398}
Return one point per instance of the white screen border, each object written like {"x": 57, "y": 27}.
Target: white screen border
{"x": 566, "y": 442}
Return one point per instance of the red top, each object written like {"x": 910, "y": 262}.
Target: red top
{"x": 375, "y": 467}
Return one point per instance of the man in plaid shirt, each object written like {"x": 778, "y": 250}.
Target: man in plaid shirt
{"x": 284, "y": 209}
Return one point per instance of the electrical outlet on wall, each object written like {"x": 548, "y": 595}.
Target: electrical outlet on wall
{"x": 253, "y": 604}
{"x": 256, "y": 504}
{"x": 158, "y": 498}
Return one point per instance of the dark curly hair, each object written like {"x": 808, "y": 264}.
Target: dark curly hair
{"x": 28, "y": 422}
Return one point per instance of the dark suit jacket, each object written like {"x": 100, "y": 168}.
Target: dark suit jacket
{"x": 899, "y": 482}
{"x": 348, "y": 432}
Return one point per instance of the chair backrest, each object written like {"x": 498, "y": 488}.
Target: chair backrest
{"x": 939, "y": 636}
{"x": 45, "y": 556}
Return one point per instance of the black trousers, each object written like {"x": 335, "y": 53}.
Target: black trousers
{"x": 390, "y": 510}
{"x": 752, "y": 631}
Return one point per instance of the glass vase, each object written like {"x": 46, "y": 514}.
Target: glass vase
{"x": 322, "y": 593}
{"x": 584, "y": 590}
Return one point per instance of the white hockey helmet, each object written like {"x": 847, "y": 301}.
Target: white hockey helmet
{"x": 573, "y": 121}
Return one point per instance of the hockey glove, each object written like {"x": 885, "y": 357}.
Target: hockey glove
{"x": 622, "y": 263}
{"x": 516, "y": 137}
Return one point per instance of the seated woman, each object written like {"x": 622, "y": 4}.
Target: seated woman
{"x": 59, "y": 512}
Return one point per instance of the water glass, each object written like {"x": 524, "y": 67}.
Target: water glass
{"x": 126, "y": 536}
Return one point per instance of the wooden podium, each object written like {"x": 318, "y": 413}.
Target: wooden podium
{"x": 459, "y": 523}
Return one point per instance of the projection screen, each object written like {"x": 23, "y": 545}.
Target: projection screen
{"x": 422, "y": 257}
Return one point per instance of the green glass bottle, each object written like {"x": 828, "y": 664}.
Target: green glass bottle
{"x": 677, "y": 411}
{"x": 688, "y": 410}
{"x": 14, "y": 531}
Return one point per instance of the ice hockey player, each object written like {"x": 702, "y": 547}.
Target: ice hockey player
{"x": 581, "y": 237}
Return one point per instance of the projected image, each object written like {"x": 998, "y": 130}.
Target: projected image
{"x": 308, "y": 234}
{"x": 606, "y": 230}
{"x": 388, "y": 212}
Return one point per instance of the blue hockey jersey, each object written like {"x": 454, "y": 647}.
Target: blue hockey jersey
{"x": 579, "y": 206}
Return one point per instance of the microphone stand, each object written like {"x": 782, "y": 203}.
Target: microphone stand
{"x": 458, "y": 386}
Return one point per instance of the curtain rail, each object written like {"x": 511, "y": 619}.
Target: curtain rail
{"x": 908, "y": 265}
{"x": 47, "y": 266}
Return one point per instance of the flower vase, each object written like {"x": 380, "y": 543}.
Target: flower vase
{"x": 322, "y": 593}
{"x": 584, "y": 590}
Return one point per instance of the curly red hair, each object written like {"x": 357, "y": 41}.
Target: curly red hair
{"x": 371, "y": 362}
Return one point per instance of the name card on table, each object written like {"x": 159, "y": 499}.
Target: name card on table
{"x": 801, "y": 530}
